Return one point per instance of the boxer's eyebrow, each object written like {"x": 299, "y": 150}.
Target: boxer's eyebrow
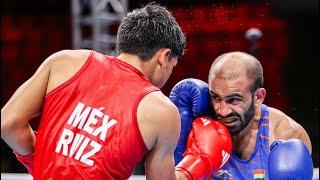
{"x": 212, "y": 93}
{"x": 234, "y": 95}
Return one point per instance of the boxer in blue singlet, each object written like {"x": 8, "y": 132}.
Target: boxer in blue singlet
{"x": 237, "y": 93}
{"x": 263, "y": 138}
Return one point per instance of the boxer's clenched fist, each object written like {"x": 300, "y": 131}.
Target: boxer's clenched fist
{"x": 208, "y": 148}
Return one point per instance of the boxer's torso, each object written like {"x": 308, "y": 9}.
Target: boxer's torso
{"x": 254, "y": 148}
{"x": 89, "y": 127}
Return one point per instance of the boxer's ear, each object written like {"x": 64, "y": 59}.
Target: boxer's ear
{"x": 164, "y": 56}
{"x": 260, "y": 95}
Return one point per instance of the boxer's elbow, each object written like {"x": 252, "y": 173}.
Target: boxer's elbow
{"x": 6, "y": 125}
{"x": 16, "y": 134}
{"x": 9, "y": 123}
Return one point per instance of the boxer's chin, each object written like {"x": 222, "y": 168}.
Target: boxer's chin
{"x": 234, "y": 130}
{"x": 237, "y": 126}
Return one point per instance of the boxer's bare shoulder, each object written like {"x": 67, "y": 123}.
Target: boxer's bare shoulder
{"x": 158, "y": 117}
{"x": 64, "y": 64}
{"x": 285, "y": 127}
{"x": 159, "y": 124}
{"x": 28, "y": 99}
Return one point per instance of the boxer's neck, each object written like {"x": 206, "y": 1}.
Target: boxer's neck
{"x": 138, "y": 63}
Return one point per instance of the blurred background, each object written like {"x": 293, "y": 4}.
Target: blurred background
{"x": 284, "y": 39}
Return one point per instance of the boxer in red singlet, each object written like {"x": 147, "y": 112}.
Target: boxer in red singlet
{"x": 101, "y": 115}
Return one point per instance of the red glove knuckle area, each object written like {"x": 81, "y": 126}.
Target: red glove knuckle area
{"x": 208, "y": 148}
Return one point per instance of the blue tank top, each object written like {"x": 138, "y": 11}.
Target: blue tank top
{"x": 256, "y": 167}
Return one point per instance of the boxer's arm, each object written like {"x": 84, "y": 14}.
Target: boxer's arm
{"x": 287, "y": 128}
{"x": 27, "y": 101}
{"x": 159, "y": 123}
{"x": 22, "y": 106}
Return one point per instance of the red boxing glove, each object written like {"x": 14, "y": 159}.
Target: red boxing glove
{"x": 208, "y": 149}
{"x": 27, "y": 161}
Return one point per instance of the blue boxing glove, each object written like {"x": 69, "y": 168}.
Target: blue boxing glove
{"x": 290, "y": 159}
{"x": 192, "y": 98}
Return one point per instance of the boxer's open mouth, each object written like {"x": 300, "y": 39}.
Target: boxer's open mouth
{"x": 230, "y": 121}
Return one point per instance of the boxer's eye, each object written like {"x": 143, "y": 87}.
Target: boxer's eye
{"x": 215, "y": 98}
{"x": 233, "y": 100}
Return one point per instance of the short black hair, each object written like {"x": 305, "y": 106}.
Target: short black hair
{"x": 146, "y": 30}
{"x": 255, "y": 72}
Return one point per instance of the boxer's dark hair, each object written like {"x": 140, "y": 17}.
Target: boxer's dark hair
{"x": 255, "y": 72}
{"x": 146, "y": 30}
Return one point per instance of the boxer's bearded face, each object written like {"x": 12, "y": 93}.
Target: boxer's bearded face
{"x": 237, "y": 122}
{"x": 233, "y": 101}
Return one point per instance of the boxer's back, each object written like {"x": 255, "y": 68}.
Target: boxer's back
{"x": 89, "y": 127}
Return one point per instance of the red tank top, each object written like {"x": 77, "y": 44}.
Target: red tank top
{"x": 89, "y": 124}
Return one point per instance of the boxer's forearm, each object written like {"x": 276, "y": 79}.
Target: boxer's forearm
{"x": 20, "y": 138}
